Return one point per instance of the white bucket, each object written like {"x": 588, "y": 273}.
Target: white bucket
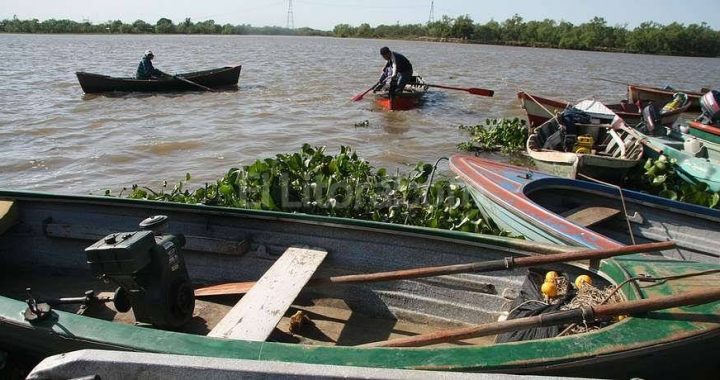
{"x": 692, "y": 145}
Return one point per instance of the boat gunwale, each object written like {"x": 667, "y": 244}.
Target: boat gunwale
{"x": 193, "y": 74}
{"x": 482, "y": 240}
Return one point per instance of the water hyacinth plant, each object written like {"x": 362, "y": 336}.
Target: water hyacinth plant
{"x": 658, "y": 177}
{"x": 343, "y": 185}
{"x": 505, "y": 135}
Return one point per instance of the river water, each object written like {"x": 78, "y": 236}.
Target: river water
{"x": 293, "y": 90}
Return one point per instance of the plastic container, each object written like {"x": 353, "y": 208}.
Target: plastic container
{"x": 692, "y": 145}
{"x": 584, "y": 145}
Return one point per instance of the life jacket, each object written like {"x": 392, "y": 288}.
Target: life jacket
{"x": 679, "y": 100}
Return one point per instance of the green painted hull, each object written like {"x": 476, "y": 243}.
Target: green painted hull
{"x": 677, "y": 342}
{"x": 713, "y": 138}
{"x": 710, "y": 141}
{"x": 632, "y": 347}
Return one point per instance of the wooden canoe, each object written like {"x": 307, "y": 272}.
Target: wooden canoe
{"x": 540, "y": 109}
{"x": 44, "y": 250}
{"x": 545, "y": 208}
{"x": 222, "y": 79}
{"x": 614, "y": 151}
{"x": 642, "y": 93}
{"x": 410, "y": 98}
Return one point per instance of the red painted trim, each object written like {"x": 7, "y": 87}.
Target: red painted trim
{"x": 712, "y": 128}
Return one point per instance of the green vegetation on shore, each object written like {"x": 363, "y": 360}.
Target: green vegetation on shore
{"x": 648, "y": 38}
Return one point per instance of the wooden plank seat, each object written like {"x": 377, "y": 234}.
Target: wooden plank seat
{"x": 256, "y": 314}
{"x": 587, "y": 216}
{"x": 8, "y": 215}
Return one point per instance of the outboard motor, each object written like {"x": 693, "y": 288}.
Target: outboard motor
{"x": 150, "y": 271}
{"x": 652, "y": 121}
{"x": 710, "y": 106}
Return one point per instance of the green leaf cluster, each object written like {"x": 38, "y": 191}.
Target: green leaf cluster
{"x": 505, "y": 135}
{"x": 342, "y": 185}
{"x": 659, "y": 177}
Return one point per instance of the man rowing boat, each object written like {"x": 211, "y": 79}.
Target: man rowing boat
{"x": 396, "y": 74}
{"x": 146, "y": 70}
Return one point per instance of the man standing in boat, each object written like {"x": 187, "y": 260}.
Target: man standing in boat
{"x": 146, "y": 70}
{"x": 397, "y": 72}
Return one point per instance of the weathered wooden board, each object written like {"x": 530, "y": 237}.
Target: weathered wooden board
{"x": 588, "y": 216}
{"x": 255, "y": 316}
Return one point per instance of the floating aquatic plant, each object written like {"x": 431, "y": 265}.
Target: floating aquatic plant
{"x": 343, "y": 185}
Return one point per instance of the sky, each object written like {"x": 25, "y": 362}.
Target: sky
{"x": 325, "y": 14}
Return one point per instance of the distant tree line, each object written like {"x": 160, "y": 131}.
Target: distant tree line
{"x": 648, "y": 37}
{"x": 162, "y": 26}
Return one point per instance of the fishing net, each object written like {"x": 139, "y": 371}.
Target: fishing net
{"x": 529, "y": 304}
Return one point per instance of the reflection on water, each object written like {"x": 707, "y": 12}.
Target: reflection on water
{"x": 292, "y": 90}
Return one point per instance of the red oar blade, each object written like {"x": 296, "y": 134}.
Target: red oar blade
{"x": 359, "y": 97}
{"x": 480, "y": 91}
{"x": 472, "y": 90}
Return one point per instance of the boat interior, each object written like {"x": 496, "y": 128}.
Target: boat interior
{"x": 595, "y": 139}
{"x": 630, "y": 220}
{"x": 54, "y": 252}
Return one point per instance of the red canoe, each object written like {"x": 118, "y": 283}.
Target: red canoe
{"x": 410, "y": 98}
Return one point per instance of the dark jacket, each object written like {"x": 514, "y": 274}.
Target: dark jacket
{"x": 146, "y": 70}
{"x": 396, "y": 64}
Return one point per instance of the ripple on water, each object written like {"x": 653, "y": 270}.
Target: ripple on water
{"x": 80, "y": 142}
{"x": 165, "y": 148}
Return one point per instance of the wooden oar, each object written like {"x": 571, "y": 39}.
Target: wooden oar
{"x": 480, "y": 266}
{"x": 555, "y": 318}
{"x": 472, "y": 90}
{"x": 359, "y": 97}
{"x": 178, "y": 77}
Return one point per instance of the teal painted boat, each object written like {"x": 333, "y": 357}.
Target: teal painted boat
{"x": 697, "y": 160}
{"x": 58, "y": 244}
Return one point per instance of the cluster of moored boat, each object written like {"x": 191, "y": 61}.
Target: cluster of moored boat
{"x": 611, "y": 139}
{"x": 87, "y": 272}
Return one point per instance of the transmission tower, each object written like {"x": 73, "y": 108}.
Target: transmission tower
{"x": 290, "y": 18}
{"x": 432, "y": 12}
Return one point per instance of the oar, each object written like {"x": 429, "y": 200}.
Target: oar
{"x": 476, "y": 267}
{"x": 555, "y": 318}
{"x": 178, "y": 77}
{"x": 472, "y": 90}
{"x": 359, "y": 97}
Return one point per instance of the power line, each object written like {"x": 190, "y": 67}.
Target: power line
{"x": 432, "y": 12}
{"x": 290, "y": 18}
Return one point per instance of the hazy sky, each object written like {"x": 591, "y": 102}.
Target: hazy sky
{"x": 325, "y": 14}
